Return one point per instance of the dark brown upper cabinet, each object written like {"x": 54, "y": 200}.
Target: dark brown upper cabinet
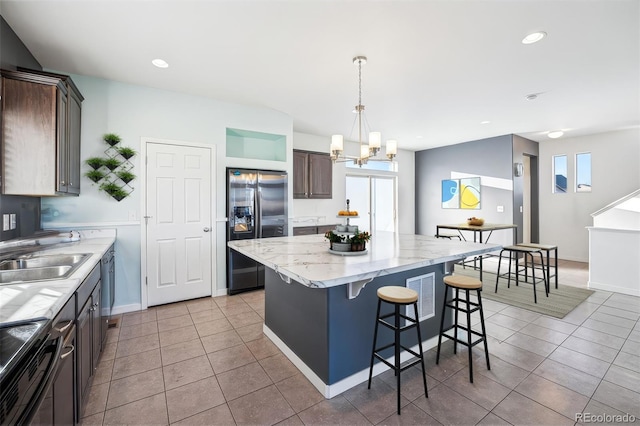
{"x": 312, "y": 175}
{"x": 41, "y": 116}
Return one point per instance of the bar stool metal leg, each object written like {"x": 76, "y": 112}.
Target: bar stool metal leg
{"x": 484, "y": 332}
{"x": 424, "y": 376}
{"x": 469, "y": 335}
{"x": 455, "y": 330}
{"x": 444, "y": 308}
{"x": 375, "y": 338}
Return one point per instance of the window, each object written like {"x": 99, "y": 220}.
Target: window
{"x": 559, "y": 174}
{"x": 583, "y": 172}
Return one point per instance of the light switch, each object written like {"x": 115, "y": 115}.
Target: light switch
{"x": 500, "y": 209}
{"x": 12, "y": 221}
{"x": 5, "y": 222}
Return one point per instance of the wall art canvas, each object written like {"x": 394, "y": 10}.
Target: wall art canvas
{"x": 470, "y": 193}
{"x": 450, "y": 194}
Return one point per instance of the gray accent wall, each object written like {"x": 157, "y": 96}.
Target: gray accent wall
{"x": 491, "y": 157}
{"x": 524, "y": 147}
{"x": 13, "y": 54}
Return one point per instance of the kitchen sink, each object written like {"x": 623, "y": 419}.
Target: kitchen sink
{"x": 39, "y": 268}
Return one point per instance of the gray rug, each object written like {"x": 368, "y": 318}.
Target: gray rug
{"x": 560, "y": 302}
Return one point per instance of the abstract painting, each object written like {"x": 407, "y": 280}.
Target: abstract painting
{"x": 461, "y": 193}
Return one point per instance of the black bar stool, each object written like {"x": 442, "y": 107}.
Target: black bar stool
{"x": 398, "y": 296}
{"x": 515, "y": 251}
{"x": 462, "y": 282}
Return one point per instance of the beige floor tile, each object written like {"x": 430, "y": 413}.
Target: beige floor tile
{"x": 219, "y": 341}
{"x": 181, "y": 351}
{"x": 178, "y": 335}
{"x": 136, "y": 387}
{"x": 334, "y": 411}
{"x": 135, "y": 364}
{"x": 193, "y": 398}
{"x": 174, "y": 322}
{"x": 208, "y": 328}
{"x": 148, "y": 411}
{"x": 244, "y": 319}
{"x": 230, "y": 358}
{"x": 243, "y": 380}
{"x": 250, "y": 332}
{"x": 103, "y": 372}
{"x": 263, "y": 407}
{"x": 262, "y": 348}
{"x": 137, "y": 345}
{"x": 139, "y": 317}
{"x": 278, "y": 367}
{"x": 138, "y": 330}
{"x": 97, "y": 400}
{"x": 206, "y": 315}
{"x": 172, "y": 310}
{"x": 217, "y": 416}
{"x": 188, "y": 371}
{"x": 299, "y": 392}
{"x": 200, "y": 304}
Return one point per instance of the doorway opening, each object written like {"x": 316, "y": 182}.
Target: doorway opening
{"x": 375, "y": 198}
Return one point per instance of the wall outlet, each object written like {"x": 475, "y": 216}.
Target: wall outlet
{"x": 5, "y": 222}
{"x": 12, "y": 221}
{"x": 500, "y": 209}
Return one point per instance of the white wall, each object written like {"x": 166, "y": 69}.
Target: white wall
{"x": 135, "y": 112}
{"x": 615, "y": 163}
{"x": 329, "y": 208}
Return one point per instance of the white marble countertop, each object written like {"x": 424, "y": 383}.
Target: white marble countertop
{"x": 44, "y": 299}
{"x": 306, "y": 258}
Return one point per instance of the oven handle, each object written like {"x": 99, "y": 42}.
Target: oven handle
{"x": 47, "y": 381}
{"x": 64, "y": 328}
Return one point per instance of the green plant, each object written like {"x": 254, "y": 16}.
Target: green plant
{"x": 126, "y": 152}
{"x": 95, "y": 175}
{"x": 125, "y": 176}
{"x": 112, "y": 139}
{"x": 114, "y": 190}
{"x": 333, "y": 237}
{"x": 360, "y": 237}
{"x": 95, "y": 162}
{"x": 112, "y": 163}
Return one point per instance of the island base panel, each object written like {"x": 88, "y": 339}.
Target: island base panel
{"x": 332, "y": 334}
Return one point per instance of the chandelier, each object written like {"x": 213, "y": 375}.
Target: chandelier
{"x": 367, "y": 150}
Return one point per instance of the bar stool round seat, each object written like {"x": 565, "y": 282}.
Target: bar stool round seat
{"x": 398, "y": 297}
{"x": 466, "y": 306}
{"x": 397, "y": 294}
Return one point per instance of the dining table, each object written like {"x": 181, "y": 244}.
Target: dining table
{"x": 479, "y": 232}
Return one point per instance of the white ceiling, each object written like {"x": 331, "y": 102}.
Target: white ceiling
{"x": 436, "y": 69}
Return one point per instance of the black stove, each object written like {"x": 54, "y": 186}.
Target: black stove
{"x": 15, "y": 339}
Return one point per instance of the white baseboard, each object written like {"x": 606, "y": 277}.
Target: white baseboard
{"x": 329, "y": 391}
{"x": 123, "y": 309}
{"x": 220, "y": 292}
{"x": 614, "y": 288}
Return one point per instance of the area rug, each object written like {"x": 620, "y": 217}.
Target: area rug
{"x": 560, "y": 302}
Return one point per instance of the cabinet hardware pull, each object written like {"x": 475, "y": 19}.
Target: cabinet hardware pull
{"x": 62, "y": 329}
{"x": 61, "y": 182}
{"x": 206, "y": 229}
{"x": 70, "y": 349}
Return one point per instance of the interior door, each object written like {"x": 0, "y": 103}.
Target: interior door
{"x": 178, "y": 210}
{"x": 374, "y": 197}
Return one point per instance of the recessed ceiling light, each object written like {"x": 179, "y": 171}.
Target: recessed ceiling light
{"x": 531, "y": 97}
{"x": 485, "y": 122}
{"x": 160, "y": 63}
{"x": 419, "y": 137}
{"x": 555, "y": 134}
{"x": 534, "y": 37}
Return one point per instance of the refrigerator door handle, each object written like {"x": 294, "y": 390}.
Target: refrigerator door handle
{"x": 258, "y": 202}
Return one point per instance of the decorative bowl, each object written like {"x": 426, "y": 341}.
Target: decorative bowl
{"x": 475, "y": 221}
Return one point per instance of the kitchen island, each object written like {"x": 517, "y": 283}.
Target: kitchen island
{"x": 320, "y": 307}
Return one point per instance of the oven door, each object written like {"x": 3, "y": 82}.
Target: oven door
{"x": 27, "y": 383}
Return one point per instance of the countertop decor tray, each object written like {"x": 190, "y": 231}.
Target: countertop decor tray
{"x": 349, "y": 253}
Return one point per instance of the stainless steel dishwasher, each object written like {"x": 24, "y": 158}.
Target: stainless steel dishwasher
{"x": 107, "y": 275}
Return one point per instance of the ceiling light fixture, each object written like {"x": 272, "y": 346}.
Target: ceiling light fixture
{"x": 367, "y": 150}
{"x": 485, "y": 122}
{"x": 534, "y": 37}
{"x": 160, "y": 63}
{"x": 531, "y": 97}
{"x": 555, "y": 134}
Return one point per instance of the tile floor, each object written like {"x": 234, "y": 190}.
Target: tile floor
{"x": 207, "y": 362}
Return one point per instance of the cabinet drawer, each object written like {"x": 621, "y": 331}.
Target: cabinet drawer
{"x": 86, "y": 288}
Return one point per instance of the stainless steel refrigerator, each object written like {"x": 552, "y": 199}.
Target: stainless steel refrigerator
{"x": 256, "y": 208}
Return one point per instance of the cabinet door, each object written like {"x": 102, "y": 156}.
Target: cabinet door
{"x": 304, "y": 230}
{"x": 320, "y": 176}
{"x": 322, "y": 229}
{"x": 73, "y": 132}
{"x": 96, "y": 325}
{"x": 62, "y": 143}
{"x": 63, "y": 405}
{"x": 300, "y": 174}
{"x": 83, "y": 356}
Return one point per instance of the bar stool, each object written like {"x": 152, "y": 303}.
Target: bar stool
{"x": 457, "y": 283}
{"x": 547, "y": 248}
{"x": 398, "y": 296}
{"x": 448, "y": 236}
{"x": 525, "y": 251}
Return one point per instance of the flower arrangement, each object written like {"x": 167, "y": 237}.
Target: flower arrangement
{"x": 333, "y": 237}
{"x": 360, "y": 237}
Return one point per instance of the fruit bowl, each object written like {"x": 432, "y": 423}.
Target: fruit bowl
{"x": 475, "y": 221}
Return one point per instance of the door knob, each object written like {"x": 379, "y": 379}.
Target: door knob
{"x": 206, "y": 229}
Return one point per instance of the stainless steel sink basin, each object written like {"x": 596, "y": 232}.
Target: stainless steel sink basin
{"x": 42, "y": 261}
{"x": 40, "y": 268}
{"x": 35, "y": 274}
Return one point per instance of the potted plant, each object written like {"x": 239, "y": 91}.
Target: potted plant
{"x": 126, "y": 152}
{"x": 359, "y": 241}
{"x": 95, "y": 162}
{"x": 114, "y": 190}
{"x": 112, "y": 139}
{"x": 337, "y": 242}
{"x": 95, "y": 175}
{"x": 112, "y": 163}
{"x": 125, "y": 176}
